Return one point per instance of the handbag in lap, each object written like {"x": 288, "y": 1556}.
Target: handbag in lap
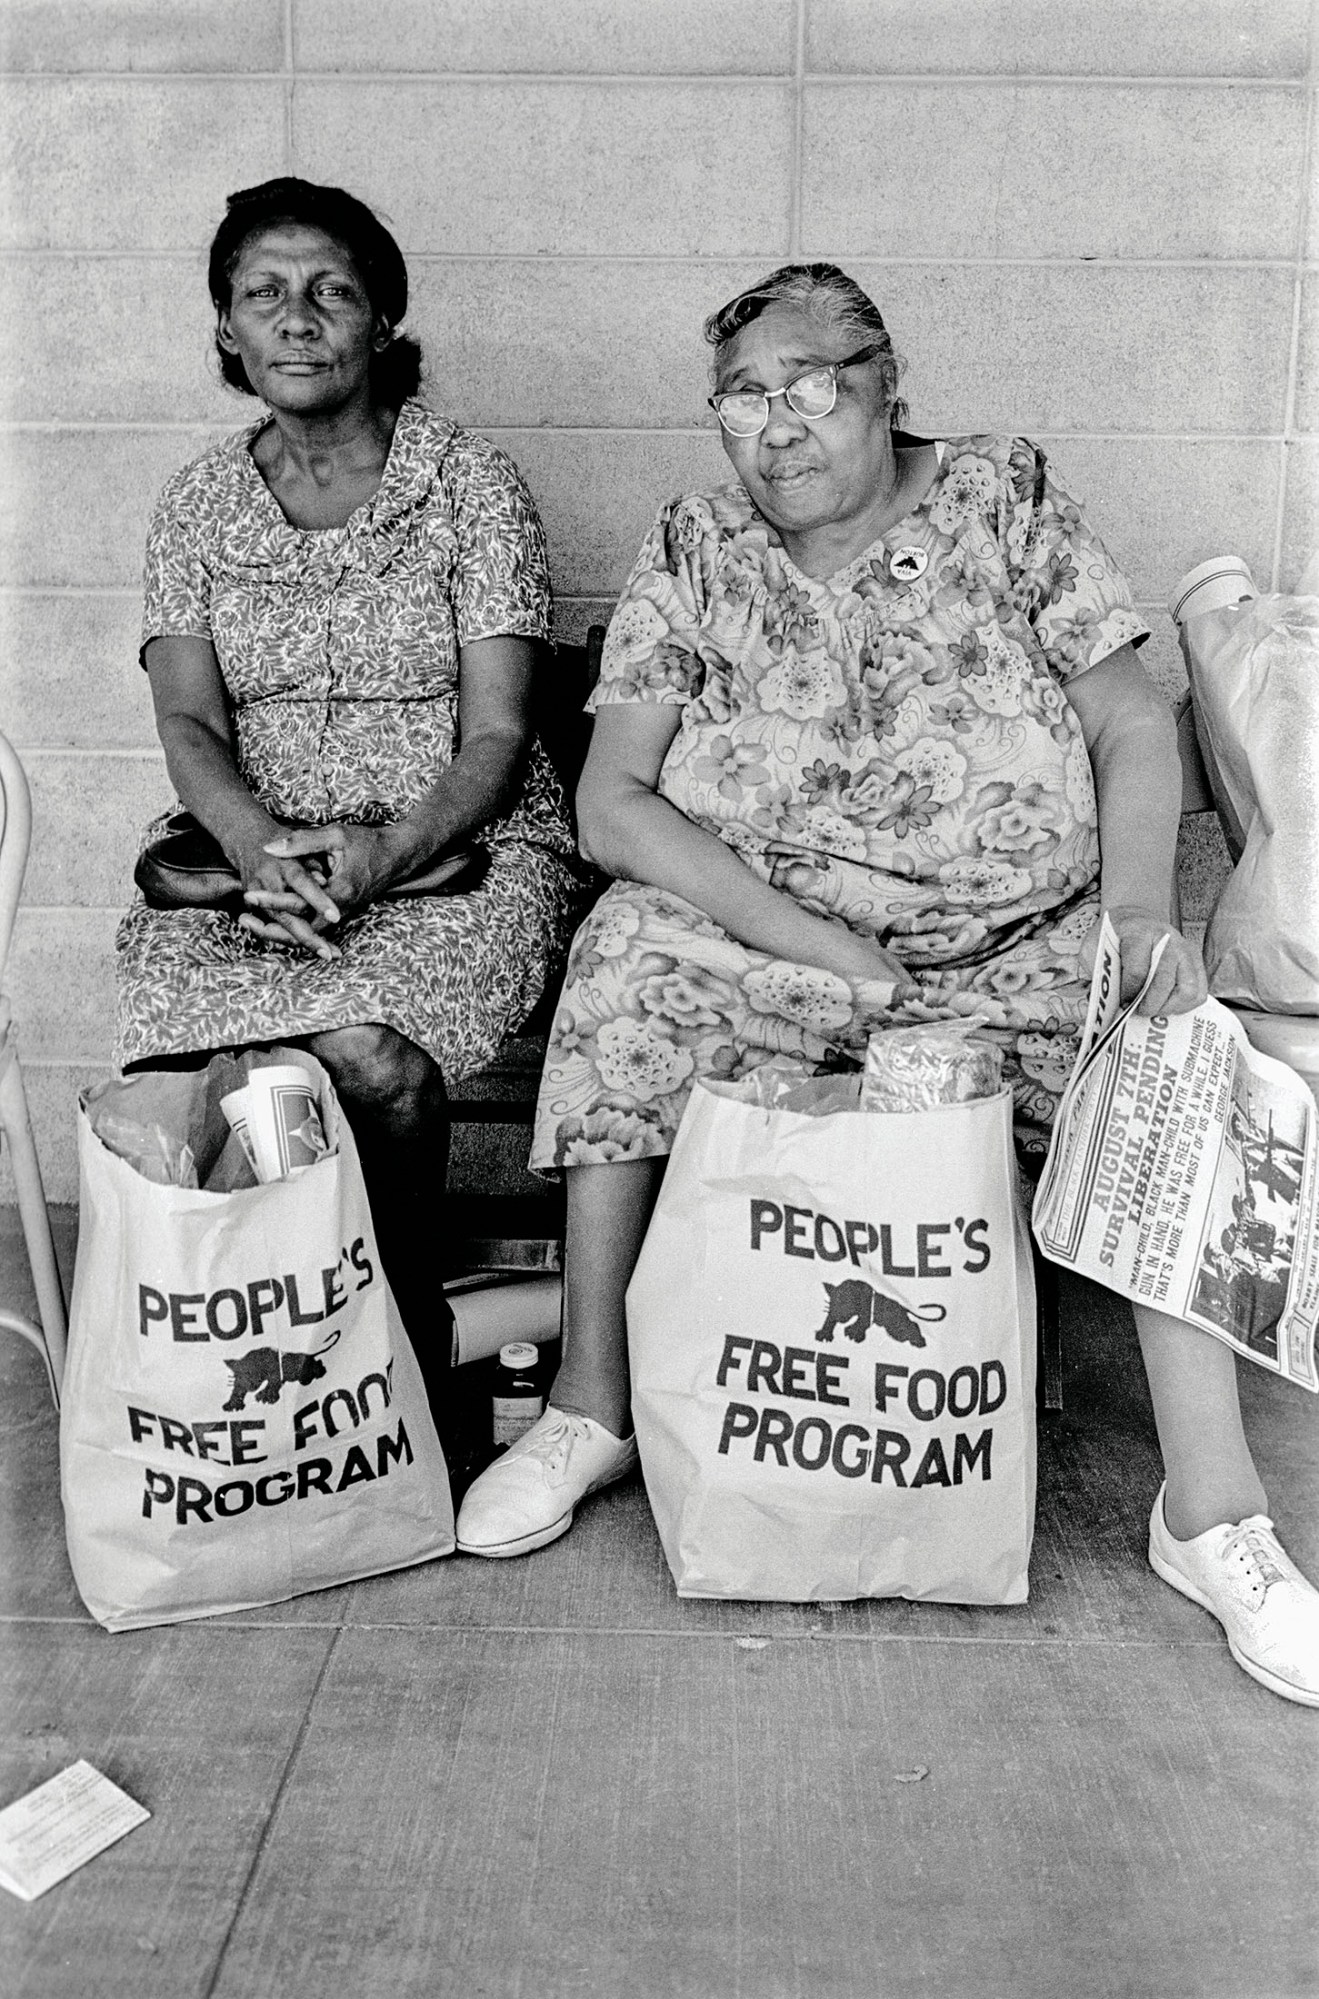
{"x": 185, "y": 867}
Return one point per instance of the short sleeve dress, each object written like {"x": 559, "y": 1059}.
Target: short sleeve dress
{"x": 894, "y": 747}
{"x": 339, "y": 650}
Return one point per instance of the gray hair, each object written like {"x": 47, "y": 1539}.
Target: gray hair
{"x": 829, "y": 296}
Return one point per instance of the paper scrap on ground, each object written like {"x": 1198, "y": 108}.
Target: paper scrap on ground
{"x": 60, "y": 1826}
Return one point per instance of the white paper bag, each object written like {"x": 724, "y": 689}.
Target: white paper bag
{"x": 243, "y": 1417}
{"x": 832, "y": 1337}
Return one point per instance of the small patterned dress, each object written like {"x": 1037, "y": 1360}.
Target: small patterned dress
{"x": 895, "y": 748}
{"x": 340, "y": 653}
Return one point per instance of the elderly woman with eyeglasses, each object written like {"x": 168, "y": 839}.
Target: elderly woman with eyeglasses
{"x": 872, "y": 746}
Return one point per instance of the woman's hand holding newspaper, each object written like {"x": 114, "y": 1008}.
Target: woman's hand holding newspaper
{"x": 1179, "y": 983}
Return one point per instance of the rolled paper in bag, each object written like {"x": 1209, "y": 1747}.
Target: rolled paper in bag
{"x": 235, "y": 1107}
{"x": 278, "y": 1120}
{"x": 487, "y": 1319}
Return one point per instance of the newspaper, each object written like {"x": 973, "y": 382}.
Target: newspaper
{"x": 1183, "y": 1174}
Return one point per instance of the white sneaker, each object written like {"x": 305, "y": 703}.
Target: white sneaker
{"x": 527, "y": 1497}
{"x": 1244, "y": 1576}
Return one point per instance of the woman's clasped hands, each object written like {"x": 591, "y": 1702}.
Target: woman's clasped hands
{"x": 310, "y": 879}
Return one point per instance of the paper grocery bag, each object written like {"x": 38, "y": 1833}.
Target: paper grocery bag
{"x": 832, "y": 1338}
{"x": 243, "y": 1418}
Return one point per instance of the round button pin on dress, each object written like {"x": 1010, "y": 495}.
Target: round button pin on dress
{"x": 908, "y": 563}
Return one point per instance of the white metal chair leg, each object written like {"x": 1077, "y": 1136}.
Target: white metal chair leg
{"x": 14, "y": 1322}
{"x": 16, "y": 1125}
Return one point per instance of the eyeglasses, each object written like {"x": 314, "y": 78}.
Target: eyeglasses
{"x": 745, "y": 412}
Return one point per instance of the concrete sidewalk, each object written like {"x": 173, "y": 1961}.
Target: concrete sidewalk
{"x": 551, "y": 1777}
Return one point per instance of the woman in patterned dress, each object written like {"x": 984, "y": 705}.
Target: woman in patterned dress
{"x": 343, "y": 603}
{"x": 872, "y": 747}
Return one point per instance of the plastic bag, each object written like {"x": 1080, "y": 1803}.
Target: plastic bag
{"x": 1254, "y": 669}
{"x": 917, "y": 1068}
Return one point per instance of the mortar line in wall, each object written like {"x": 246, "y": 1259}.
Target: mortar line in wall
{"x": 290, "y": 65}
{"x": 678, "y": 79}
{"x": 186, "y": 253}
{"x": 1012, "y": 79}
{"x": 798, "y": 120}
{"x": 651, "y": 431}
{"x": 116, "y": 752}
{"x": 1284, "y": 453}
{"x": 127, "y": 590}
{"x": 1294, "y": 355}
{"x": 31, "y": 1062}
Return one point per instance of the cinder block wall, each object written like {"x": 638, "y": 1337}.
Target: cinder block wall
{"x": 1084, "y": 219}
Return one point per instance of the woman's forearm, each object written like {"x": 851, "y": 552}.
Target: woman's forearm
{"x": 636, "y": 835}
{"x": 1138, "y": 790}
{"x": 480, "y": 785}
{"x": 1132, "y": 742}
{"x": 202, "y": 770}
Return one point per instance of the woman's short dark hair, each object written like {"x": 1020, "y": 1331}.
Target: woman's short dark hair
{"x": 395, "y": 369}
{"x": 829, "y": 295}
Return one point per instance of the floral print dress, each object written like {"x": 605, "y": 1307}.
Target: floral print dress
{"x": 339, "y": 650}
{"x": 894, "y": 747}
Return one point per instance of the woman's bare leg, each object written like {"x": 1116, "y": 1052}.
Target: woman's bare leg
{"x": 394, "y": 1098}
{"x": 1193, "y": 1385}
{"x": 609, "y": 1209}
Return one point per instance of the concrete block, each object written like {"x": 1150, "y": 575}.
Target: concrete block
{"x": 88, "y": 813}
{"x": 74, "y": 504}
{"x": 1300, "y": 527}
{"x": 52, "y": 1095}
{"x": 1087, "y": 347}
{"x": 122, "y": 340}
{"x": 71, "y": 677}
{"x": 1164, "y": 504}
{"x": 1051, "y": 170}
{"x": 1059, "y": 37}
{"x": 526, "y": 168}
{"x": 136, "y": 164}
{"x": 141, "y": 35}
{"x": 1307, "y": 359}
{"x": 644, "y": 37}
{"x": 60, "y": 979}
{"x": 598, "y": 492}
{"x": 539, "y": 341}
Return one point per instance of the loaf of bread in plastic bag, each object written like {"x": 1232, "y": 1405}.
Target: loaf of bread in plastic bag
{"x": 916, "y": 1068}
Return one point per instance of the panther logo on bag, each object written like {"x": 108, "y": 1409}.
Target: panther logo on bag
{"x": 855, "y": 1305}
{"x": 264, "y": 1371}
